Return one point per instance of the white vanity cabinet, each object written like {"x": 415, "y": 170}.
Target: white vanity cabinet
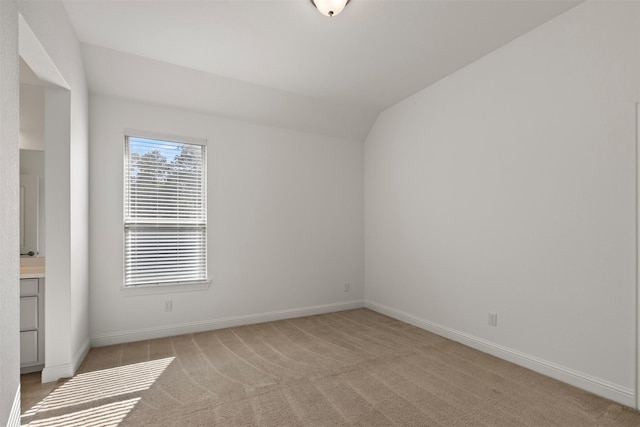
{"x": 31, "y": 324}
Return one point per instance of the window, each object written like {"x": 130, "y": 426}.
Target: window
{"x": 165, "y": 210}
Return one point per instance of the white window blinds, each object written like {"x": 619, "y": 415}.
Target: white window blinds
{"x": 165, "y": 218}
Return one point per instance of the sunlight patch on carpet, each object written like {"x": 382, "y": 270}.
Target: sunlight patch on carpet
{"x": 102, "y": 384}
{"x": 107, "y": 415}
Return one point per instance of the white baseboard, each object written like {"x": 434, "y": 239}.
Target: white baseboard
{"x": 66, "y": 370}
{"x": 208, "y": 325}
{"x": 14, "y": 415}
{"x": 581, "y": 380}
{"x": 54, "y": 373}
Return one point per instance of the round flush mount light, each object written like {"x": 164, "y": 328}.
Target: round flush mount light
{"x": 330, "y": 7}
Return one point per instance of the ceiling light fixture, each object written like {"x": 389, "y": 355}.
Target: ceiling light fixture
{"x": 330, "y": 7}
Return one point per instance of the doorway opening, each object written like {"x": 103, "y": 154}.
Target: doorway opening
{"x": 45, "y": 111}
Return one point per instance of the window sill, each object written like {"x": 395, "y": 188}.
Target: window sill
{"x": 131, "y": 291}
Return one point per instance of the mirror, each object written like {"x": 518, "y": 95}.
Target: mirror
{"x": 32, "y": 206}
{"x": 29, "y": 195}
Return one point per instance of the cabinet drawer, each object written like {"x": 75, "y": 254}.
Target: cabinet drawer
{"x": 28, "y": 348}
{"x": 28, "y": 313}
{"x": 28, "y": 287}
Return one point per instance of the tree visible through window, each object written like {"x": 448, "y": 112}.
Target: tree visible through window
{"x": 165, "y": 219}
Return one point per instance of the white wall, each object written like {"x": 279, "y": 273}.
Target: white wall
{"x": 509, "y": 187}
{"x": 123, "y": 75}
{"x": 66, "y": 158}
{"x": 31, "y": 117}
{"x": 9, "y": 217}
{"x": 285, "y": 224}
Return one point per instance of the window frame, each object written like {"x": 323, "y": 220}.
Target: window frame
{"x": 172, "y": 286}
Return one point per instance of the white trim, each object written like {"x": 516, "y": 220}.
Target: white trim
{"x": 54, "y": 373}
{"x": 637, "y": 366}
{"x": 14, "y": 415}
{"x": 584, "y": 381}
{"x": 164, "y": 136}
{"x": 67, "y": 370}
{"x": 132, "y": 291}
{"x": 227, "y": 322}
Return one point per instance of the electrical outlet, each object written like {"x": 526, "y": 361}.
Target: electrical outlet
{"x": 347, "y": 287}
{"x": 493, "y": 319}
{"x": 168, "y": 305}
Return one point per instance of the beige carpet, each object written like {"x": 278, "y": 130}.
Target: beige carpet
{"x": 349, "y": 368}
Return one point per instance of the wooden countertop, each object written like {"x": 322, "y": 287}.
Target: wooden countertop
{"x": 31, "y": 268}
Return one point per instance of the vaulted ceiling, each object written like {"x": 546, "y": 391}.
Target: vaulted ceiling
{"x": 281, "y": 62}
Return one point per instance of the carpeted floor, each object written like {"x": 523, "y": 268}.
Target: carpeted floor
{"x": 354, "y": 367}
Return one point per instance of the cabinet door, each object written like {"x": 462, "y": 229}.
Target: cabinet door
{"x": 28, "y": 287}
{"x": 28, "y": 313}
{"x": 28, "y": 348}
